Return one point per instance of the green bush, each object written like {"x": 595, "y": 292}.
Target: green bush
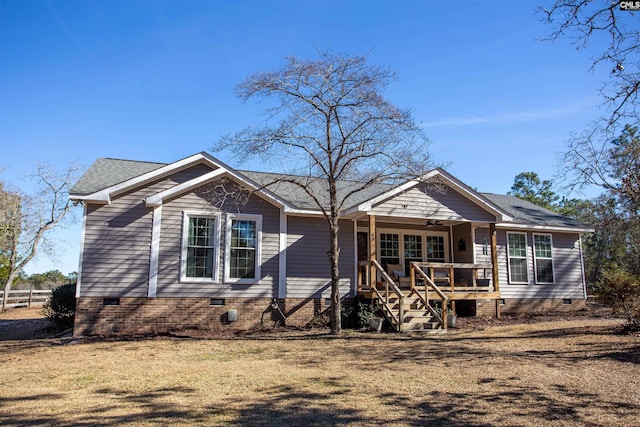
{"x": 61, "y": 308}
{"x": 620, "y": 290}
{"x": 366, "y": 312}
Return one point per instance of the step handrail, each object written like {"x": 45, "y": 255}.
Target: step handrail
{"x": 389, "y": 283}
{"x": 415, "y": 268}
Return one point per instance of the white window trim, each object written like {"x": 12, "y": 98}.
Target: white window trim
{"x": 227, "y": 248}
{"x": 401, "y": 232}
{"x": 185, "y": 240}
{"x": 526, "y": 258}
{"x": 535, "y": 260}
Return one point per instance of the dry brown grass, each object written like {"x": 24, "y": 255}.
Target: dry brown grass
{"x": 569, "y": 372}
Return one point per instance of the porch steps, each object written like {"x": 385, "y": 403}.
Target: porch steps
{"x": 416, "y": 317}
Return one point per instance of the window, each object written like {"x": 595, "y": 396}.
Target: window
{"x": 244, "y": 233}
{"x": 412, "y": 251}
{"x": 435, "y": 249}
{"x": 389, "y": 249}
{"x": 517, "y": 243}
{"x": 200, "y": 246}
{"x": 543, "y": 258}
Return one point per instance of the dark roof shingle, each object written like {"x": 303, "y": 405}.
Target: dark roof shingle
{"x": 107, "y": 172}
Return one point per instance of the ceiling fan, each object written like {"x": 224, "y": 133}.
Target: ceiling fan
{"x": 431, "y": 222}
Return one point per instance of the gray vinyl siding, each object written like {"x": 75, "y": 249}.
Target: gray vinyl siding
{"x": 482, "y": 246}
{"x": 308, "y": 272}
{"x": 424, "y": 202}
{"x": 567, "y": 265}
{"x": 117, "y": 239}
{"x": 169, "y": 284}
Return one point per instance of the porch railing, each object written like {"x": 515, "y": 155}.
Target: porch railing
{"x": 444, "y": 299}
{"x": 390, "y": 288}
{"x": 431, "y": 269}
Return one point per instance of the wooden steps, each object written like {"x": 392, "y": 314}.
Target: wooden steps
{"x": 416, "y": 316}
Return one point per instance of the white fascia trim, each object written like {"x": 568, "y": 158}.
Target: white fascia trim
{"x": 550, "y": 228}
{"x": 282, "y": 265}
{"x": 157, "y": 199}
{"x": 155, "y": 251}
{"x": 302, "y": 212}
{"x": 88, "y": 199}
{"x": 82, "y": 234}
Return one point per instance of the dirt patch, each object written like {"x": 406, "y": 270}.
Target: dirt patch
{"x": 593, "y": 311}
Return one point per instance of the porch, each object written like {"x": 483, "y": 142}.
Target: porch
{"x": 426, "y": 296}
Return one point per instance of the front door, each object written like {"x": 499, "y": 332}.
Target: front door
{"x": 412, "y": 251}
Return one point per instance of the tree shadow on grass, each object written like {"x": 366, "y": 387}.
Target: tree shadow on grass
{"x": 291, "y": 406}
{"x": 505, "y": 402}
{"x": 125, "y": 407}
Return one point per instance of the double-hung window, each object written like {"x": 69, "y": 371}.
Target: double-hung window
{"x": 436, "y": 251}
{"x": 389, "y": 249}
{"x": 200, "y": 246}
{"x": 242, "y": 255}
{"x": 518, "y": 270}
{"x": 543, "y": 257}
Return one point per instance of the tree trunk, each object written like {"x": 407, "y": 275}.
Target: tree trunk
{"x": 334, "y": 257}
{"x": 7, "y": 288}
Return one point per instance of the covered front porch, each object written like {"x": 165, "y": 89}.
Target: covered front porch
{"x": 417, "y": 270}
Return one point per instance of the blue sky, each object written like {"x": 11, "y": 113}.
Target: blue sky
{"x": 153, "y": 80}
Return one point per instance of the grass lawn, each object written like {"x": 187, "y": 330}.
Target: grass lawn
{"x": 563, "y": 372}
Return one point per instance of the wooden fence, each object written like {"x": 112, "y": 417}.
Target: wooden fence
{"x": 26, "y": 298}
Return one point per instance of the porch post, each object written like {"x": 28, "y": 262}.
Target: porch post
{"x": 494, "y": 264}
{"x": 372, "y": 249}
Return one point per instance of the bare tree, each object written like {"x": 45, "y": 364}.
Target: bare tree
{"x": 26, "y": 220}
{"x": 328, "y": 117}
{"x": 589, "y": 22}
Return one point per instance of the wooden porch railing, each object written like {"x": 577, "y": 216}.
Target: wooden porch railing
{"x": 449, "y": 268}
{"x": 389, "y": 285}
{"x": 423, "y": 289}
{"x": 444, "y": 299}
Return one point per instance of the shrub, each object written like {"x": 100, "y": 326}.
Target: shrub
{"x": 61, "y": 308}
{"x": 366, "y": 312}
{"x": 620, "y": 290}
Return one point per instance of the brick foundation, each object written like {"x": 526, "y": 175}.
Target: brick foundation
{"x": 160, "y": 315}
{"x": 541, "y": 305}
{"x": 486, "y": 308}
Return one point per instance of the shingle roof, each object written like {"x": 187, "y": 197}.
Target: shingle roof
{"x": 297, "y": 197}
{"x": 104, "y": 173}
{"x": 107, "y": 172}
{"x": 525, "y": 212}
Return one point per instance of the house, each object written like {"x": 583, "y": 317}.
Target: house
{"x": 197, "y": 244}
